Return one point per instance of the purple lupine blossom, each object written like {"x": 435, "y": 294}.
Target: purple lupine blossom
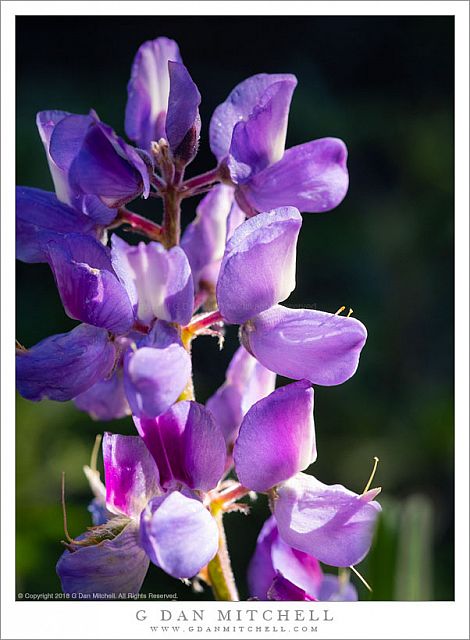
{"x": 258, "y": 272}
{"x": 275, "y": 444}
{"x": 167, "y": 488}
{"x": 275, "y": 566}
{"x": 163, "y": 524}
{"x": 248, "y": 134}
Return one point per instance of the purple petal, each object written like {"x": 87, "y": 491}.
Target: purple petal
{"x": 283, "y": 589}
{"x": 277, "y": 437}
{"x": 258, "y": 268}
{"x": 155, "y": 378}
{"x": 261, "y": 571}
{"x": 105, "y": 400}
{"x": 62, "y": 135}
{"x": 114, "y": 566}
{"x": 312, "y": 177}
{"x": 260, "y": 140}
{"x": 87, "y": 284}
{"x": 179, "y": 534}
{"x": 108, "y": 168}
{"x": 239, "y": 105}
{"x": 162, "y": 279}
{"x": 330, "y": 523}
{"x": 65, "y": 365}
{"x": 149, "y": 90}
{"x": 246, "y": 382}
{"x": 187, "y": 445}
{"x": 302, "y": 343}
{"x": 39, "y": 216}
{"x": 131, "y": 475}
{"x": 183, "y": 124}
{"x": 334, "y": 590}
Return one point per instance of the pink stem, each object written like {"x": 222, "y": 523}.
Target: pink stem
{"x": 200, "y": 181}
{"x": 139, "y": 224}
{"x": 204, "y": 322}
{"x": 232, "y": 494}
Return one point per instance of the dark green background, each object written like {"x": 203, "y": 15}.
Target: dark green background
{"x": 385, "y": 86}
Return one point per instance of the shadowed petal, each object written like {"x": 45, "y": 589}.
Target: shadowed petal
{"x": 246, "y": 382}
{"x": 65, "y": 365}
{"x": 114, "y": 566}
{"x": 330, "y": 523}
{"x": 258, "y": 268}
{"x": 148, "y": 91}
{"x": 108, "y": 168}
{"x": 283, "y": 589}
{"x": 179, "y": 534}
{"x": 187, "y": 445}
{"x": 105, "y": 400}
{"x": 239, "y": 105}
{"x": 333, "y": 590}
{"x": 312, "y": 177}
{"x": 39, "y": 216}
{"x": 183, "y": 124}
{"x": 302, "y": 343}
{"x": 87, "y": 284}
{"x": 131, "y": 475}
{"x": 277, "y": 437}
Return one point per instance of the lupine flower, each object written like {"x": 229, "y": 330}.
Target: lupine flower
{"x": 246, "y": 382}
{"x": 258, "y": 272}
{"x": 204, "y": 239}
{"x": 163, "y": 101}
{"x": 158, "y": 514}
{"x": 280, "y": 572}
{"x": 275, "y": 444}
{"x": 247, "y": 136}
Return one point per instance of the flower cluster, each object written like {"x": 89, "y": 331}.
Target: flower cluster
{"x": 140, "y": 306}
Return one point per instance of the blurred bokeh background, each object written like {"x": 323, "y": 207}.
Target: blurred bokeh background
{"x": 385, "y": 86}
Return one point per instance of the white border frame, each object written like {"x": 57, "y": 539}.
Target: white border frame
{"x": 351, "y": 620}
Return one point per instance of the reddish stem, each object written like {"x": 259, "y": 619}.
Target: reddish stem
{"x": 197, "y": 182}
{"x": 202, "y": 322}
{"x": 139, "y": 224}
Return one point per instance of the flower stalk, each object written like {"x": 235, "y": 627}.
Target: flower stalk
{"x": 219, "y": 568}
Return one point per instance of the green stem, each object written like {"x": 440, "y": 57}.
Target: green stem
{"x": 219, "y": 568}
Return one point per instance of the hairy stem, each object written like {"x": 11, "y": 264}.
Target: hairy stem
{"x": 193, "y": 184}
{"x": 171, "y": 217}
{"x": 219, "y": 568}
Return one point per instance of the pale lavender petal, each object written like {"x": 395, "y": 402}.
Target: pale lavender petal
{"x": 312, "y": 177}
{"x": 39, "y": 216}
{"x": 46, "y": 122}
{"x": 131, "y": 475}
{"x": 277, "y": 437}
{"x": 114, "y": 566}
{"x": 239, "y": 105}
{"x": 259, "y": 141}
{"x": 105, "y": 400}
{"x": 183, "y": 124}
{"x": 87, "y": 284}
{"x": 334, "y": 590}
{"x": 148, "y": 91}
{"x": 64, "y": 365}
{"x": 163, "y": 282}
{"x": 247, "y": 381}
{"x": 283, "y": 589}
{"x": 187, "y": 445}
{"x": 302, "y": 343}
{"x": 154, "y": 378}
{"x": 204, "y": 239}
{"x": 330, "y": 523}
{"x": 258, "y": 268}
{"x": 261, "y": 571}
{"x": 179, "y": 534}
